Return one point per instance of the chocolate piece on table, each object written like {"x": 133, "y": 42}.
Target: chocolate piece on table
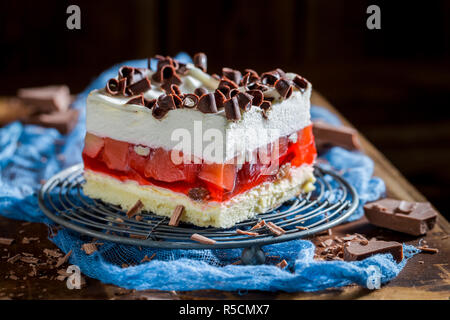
{"x": 46, "y": 99}
{"x": 327, "y": 134}
{"x": 414, "y": 218}
{"x": 232, "y": 110}
{"x": 356, "y": 251}
{"x": 63, "y": 121}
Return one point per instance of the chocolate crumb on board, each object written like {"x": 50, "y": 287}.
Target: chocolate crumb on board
{"x": 135, "y": 209}
{"x": 64, "y": 259}
{"x": 146, "y": 258}
{"x": 260, "y": 224}
{"x": 282, "y": 264}
{"x": 301, "y": 228}
{"x": 428, "y": 250}
{"x": 89, "y": 248}
{"x": 202, "y": 239}
{"x": 248, "y": 233}
{"x": 176, "y": 215}
{"x": 276, "y": 230}
{"x": 6, "y": 241}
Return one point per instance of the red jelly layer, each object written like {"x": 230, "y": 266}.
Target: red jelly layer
{"x": 120, "y": 160}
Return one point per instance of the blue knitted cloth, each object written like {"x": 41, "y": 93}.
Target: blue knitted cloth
{"x": 31, "y": 154}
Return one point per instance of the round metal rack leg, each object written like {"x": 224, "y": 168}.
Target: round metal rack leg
{"x": 253, "y": 256}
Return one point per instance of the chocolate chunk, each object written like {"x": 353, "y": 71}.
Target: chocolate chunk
{"x": 326, "y": 134}
{"x": 112, "y": 86}
{"x": 284, "y": 88}
{"x": 139, "y": 100}
{"x": 269, "y": 78}
{"x": 200, "y": 91}
{"x": 63, "y": 121}
{"x": 176, "y": 216}
{"x": 244, "y": 100}
{"x": 207, "y": 103}
{"x": 202, "y": 239}
{"x": 166, "y": 102}
{"x": 139, "y": 87}
{"x": 46, "y": 99}
{"x": 200, "y": 61}
{"x": 220, "y": 98}
{"x": 387, "y": 213}
{"x": 300, "y": 83}
{"x": 354, "y": 251}
{"x": 198, "y": 194}
{"x": 232, "y": 111}
{"x": 233, "y": 75}
{"x": 190, "y": 101}
{"x": 258, "y": 97}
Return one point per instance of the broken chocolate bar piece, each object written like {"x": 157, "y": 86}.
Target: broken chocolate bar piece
{"x": 327, "y": 134}
{"x": 63, "y": 121}
{"x": 414, "y": 218}
{"x": 46, "y": 99}
{"x": 356, "y": 251}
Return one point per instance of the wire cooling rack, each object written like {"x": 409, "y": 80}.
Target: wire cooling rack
{"x": 62, "y": 200}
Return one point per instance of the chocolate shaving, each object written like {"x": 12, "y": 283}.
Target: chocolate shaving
{"x": 247, "y": 233}
{"x": 233, "y": 75}
{"x": 428, "y": 250}
{"x": 301, "y": 228}
{"x": 207, "y": 103}
{"x": 259, "y": 225}
{"x": 220, "y": 98}
{"x": 300, "y": 83}
{"x": 6, "y": 241}
{"x": 276, "y": 230}
{"x": 258, "y": 86}
{"x": 258, "y": 97}
{"x": 269, "y": 78}
{"x": 253, "y": 75}
{"x": 245, "y": 80}
{"x": 284, "y": 88}
{"x": 201, "y": 61}
{"x": 225, "y": 90}
{"x": 283, "y": 264}
{"x": 147, "y": 259}
{"x": 175, "y": 90}
{"x": 176, "y": 216}
{"x": 139, "y": 100}
{"x": 190, "y": 101}
{"x": 202, "y": 239}
{"x": 166, "y": 102}
{"x": 89, "y": 248}
{"x": 200, "y": 91}
{"x": 112, "y": 86}
{"x": 198, "y": 194}
{"x": 265, "y": 106}
{"x": 227, "y": 82}
{"x": 244, "y": 100}
{"x": 63, "y": 260}
{"x": 135, "y": 209}
{"x": 232, "y": 111}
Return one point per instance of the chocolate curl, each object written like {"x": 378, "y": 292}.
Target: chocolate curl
{"x": 225, "y": 90}
{"x": 126, "y": 72}
{"x": 234, "y": 93}
{"x": 269, "y": 78}
{"x": 175, "y": 89}
{"x": 178, "y": 101}
{"x": 182, "y": 69}
{"x": 232, "y": 111}
{"x": 166, "y": 102}
{"x": 244, "y": 100}
{"x": 122, "y": 86}
{"x": 139, "y": 87}
{"x": 169, "y": 78}
{"x": 258, "y": 86}
{"x": 253, "y": 75}
{"x": 300, "y": 83}
{"x": 200, "y": 91}
{"x": 207, "y": 103}
{"x": 150, "y": 103}
{"x": 220, "y": 99}
{"x": 190, "y": 101}
{"x": 284, "y": 88}
{"x": 245, "y": 80}
{"x": 112, "y": 86}
{"x": 233, "y": 75}
{"x": 227, "y": 82}
{"x": 265, "y": 106}
{"x": 200, "y": 61}
{"x": 139, "y": 100}
{"x": 258, "y": 97}
{"x": 159, "y": 112}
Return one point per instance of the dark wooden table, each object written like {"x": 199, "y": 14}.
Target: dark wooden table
{"x": 426, "y": 276}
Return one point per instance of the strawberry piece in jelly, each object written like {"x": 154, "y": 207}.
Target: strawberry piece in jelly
{"x": 92, "y": 145}
{"x": 219, "y": 174}
{"x": 160, "y": 167}
{"x": 116, "y": 154}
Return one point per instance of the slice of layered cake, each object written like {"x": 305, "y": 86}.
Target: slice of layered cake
{"x": 226, "y": 148}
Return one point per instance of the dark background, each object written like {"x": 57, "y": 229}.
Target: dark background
{"x": 393, "y": 84}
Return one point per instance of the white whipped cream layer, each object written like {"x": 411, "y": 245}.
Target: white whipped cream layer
{"x": 110, "y": 116}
